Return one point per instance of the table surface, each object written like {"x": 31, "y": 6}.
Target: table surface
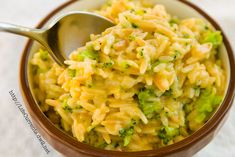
{"x": 16, "y": 138}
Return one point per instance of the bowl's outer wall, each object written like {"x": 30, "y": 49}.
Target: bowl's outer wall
{"x": 64, "y": 144}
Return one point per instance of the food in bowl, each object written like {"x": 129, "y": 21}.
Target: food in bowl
{"x": 150, "y": 81}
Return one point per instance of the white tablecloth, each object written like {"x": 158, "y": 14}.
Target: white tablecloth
{"x": 16, "y": 138}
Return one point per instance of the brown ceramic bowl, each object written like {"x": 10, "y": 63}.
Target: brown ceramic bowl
{"x": 71, "y": 147}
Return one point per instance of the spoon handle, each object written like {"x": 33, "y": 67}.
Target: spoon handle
{"x": 35, "y": 34}
{"x": 39, "y": 35}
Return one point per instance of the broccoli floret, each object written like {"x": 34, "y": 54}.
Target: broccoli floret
{"x": 215, "y": 38}
{"x": 102, "y": 145}
{"x": 126, "y": 134}
{"x": 216, "y": 101}
{"x": 173, "y": 21}
{"x": 177, "y": 54}
{"x": 78, "y": 107}
{"x": 167, "y": 134}
{"x": 71, "y": 72}
{"x": 154, "y": 64}
{"x": 200, "y": 117}
{"x": 148, "y": 103}
{"x": 207, "y": 102}
{"x": 66, "y": 107}
{"x": 207, "y": 27}
{"x": 108, "y": 64}
{"x": 168, "y": 93}
{"x": 197, "y": 91}
{"x": 131, "y": 38}
{"x": 140, "y": 12}
{"x": 141, "y": 52}
{"x": 124, "y": 65}
{"x": 44, "y": 55}
{"x": 88, "y": 53}
{"x": 188, "y": 108}
{"x": 134, "y": 25}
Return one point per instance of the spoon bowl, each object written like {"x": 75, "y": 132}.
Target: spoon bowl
{"x": 65, "y": 34}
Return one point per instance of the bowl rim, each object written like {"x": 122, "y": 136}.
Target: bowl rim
{"x": 44, "y": 123}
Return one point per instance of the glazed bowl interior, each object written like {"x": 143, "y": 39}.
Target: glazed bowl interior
{"x": 174, "y": 7}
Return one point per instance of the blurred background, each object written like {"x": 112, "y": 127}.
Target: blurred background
{"x": 16, "y": 137}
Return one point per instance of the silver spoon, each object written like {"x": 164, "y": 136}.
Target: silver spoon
{"x": 65, "y": 34}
